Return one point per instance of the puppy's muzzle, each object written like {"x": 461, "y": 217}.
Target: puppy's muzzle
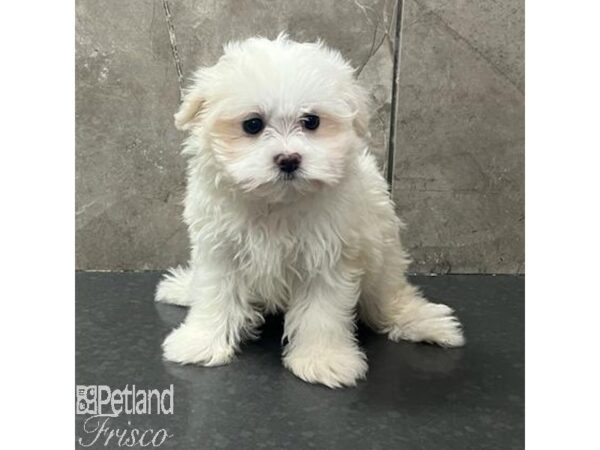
{"x": 288, "y": 163}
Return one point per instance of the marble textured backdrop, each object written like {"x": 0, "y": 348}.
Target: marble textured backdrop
{"x": 460, "y": 110}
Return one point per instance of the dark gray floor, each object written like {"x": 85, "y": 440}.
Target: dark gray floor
{"x": 416, "y": 396}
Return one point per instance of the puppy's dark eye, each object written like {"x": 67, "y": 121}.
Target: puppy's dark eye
{"x": 310, "y": 122}
{"x": 253, "y": 126}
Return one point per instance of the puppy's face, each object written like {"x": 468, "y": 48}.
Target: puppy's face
{"x": 279, "y": 116}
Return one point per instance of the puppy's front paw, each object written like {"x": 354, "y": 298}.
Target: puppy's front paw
{"x": 429, "y": 322}
{"x": 186, "y": 345}
{"x": 334, "y": 367}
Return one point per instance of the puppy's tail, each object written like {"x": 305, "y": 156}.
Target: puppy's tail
{"x": 174, "y": 287}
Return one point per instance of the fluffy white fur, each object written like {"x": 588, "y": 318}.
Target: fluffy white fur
{"x": 321, "y": 247}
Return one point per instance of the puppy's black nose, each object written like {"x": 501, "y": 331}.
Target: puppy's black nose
{"x": 288, "y": 163}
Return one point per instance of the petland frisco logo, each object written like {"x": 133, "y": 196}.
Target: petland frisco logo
{"x": 104, "y": 404}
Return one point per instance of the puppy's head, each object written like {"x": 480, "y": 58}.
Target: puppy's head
{"x": 279, "y": 116}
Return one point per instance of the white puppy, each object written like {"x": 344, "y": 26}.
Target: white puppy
{"x": 287, "y": 211}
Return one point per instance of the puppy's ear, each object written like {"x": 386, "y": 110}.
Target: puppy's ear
{"x": 359, "y": 101}
{"x": 194, "y": 100}
{"x": 188, "y": 114}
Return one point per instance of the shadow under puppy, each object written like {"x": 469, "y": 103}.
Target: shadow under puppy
{"x": 287, "y": 211}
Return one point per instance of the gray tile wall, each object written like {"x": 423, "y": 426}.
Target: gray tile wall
{"x": 459, "y": 148}
{"x": 459, "y": 154}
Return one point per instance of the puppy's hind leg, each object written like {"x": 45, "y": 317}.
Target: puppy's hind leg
{"x": 390, "y": 304}
{"x": 174, "y": 288}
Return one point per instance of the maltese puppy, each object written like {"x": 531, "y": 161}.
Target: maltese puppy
{"x": 287, "y": 211}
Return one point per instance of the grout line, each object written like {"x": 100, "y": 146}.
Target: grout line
{"x": 391, "y": 153}
{"x": 174, "y": 50}
{"x": 410, "y": 274}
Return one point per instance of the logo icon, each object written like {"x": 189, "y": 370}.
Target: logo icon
{"x": 86, "y": 399}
